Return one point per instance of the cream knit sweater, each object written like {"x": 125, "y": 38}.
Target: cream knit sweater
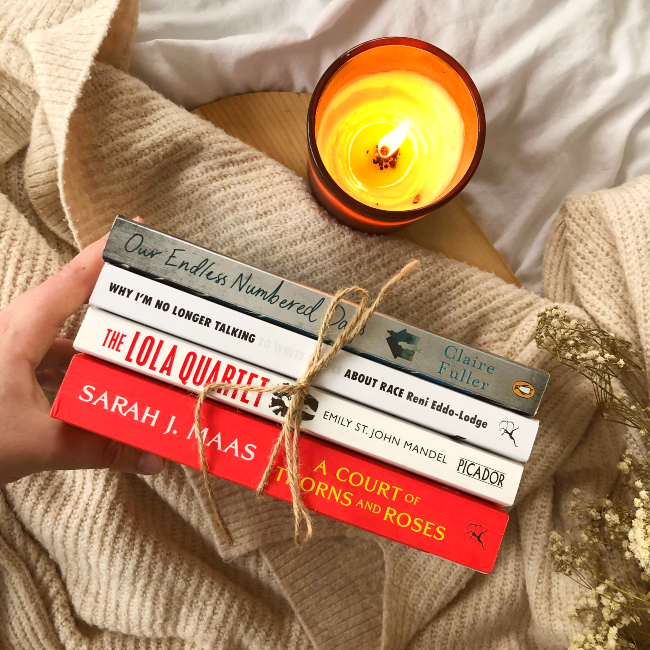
{"x": 96, "y": 559}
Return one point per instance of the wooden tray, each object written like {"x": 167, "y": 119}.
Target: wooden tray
{"x": 275, "y": 123}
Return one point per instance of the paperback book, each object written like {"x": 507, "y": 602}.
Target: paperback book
{"x": 292, "y": 305}
{"x": 368, "y": 431}
{"x": 132, "y": 409}
{"x": 287, "y": 352}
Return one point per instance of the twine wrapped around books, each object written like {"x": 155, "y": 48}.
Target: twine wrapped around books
{"x": 299, "y": 390}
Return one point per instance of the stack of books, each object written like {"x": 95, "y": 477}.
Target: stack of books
{"x": 410, "y": 435}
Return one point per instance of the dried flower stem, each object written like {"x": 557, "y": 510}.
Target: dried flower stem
{"x": 608, "y": 551}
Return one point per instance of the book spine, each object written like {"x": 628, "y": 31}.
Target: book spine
{"x": 287, "y": 352}
{"x": 295, "y": 306}
{"x": 381, "y": 499}
{"x": 190, "y": 366}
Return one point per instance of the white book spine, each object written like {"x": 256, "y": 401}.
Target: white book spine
{"x": 190, "y": 366}
{"x": 287, "y": 352}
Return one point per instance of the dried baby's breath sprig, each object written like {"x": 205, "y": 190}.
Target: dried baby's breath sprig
{"x": 608, "y": 550}
{"x": 615, "y": 369}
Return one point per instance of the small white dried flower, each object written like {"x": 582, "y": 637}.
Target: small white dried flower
{"x": 604, "y": 524}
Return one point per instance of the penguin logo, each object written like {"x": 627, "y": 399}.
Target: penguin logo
{"x": 523, "y": 389}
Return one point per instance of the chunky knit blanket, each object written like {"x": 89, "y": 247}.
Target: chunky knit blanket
{"x": 97, "y": 559}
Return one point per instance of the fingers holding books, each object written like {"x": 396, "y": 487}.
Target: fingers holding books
{"x": 32, "y": 358}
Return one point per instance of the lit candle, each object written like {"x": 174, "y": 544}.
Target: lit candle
{"x": 395, "y": 130}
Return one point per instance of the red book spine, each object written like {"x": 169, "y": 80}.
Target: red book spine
{"x": 142, "y": 412}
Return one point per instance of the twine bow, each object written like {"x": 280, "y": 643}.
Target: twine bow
{"x": 299, "y": 390}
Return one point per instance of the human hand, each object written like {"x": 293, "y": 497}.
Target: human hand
{"x": 33, "y": 358}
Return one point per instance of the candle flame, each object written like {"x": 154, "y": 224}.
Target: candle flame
{"x": 393, "y": 140}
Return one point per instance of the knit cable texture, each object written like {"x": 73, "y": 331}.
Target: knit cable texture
{"x": 97, "y": 559}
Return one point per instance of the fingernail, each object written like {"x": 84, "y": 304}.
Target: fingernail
{"x": 139, "y": 219}
{"x": 149, "y": 463}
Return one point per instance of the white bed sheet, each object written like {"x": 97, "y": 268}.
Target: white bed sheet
{"x": 565, "y": 83}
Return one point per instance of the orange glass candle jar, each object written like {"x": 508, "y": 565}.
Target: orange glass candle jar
{"x": 395, "y": 130}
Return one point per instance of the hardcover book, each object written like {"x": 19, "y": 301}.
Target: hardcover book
{"x": 335, "y": 482}
{"x": 216, "y": 277}
{"x": 287, "y": 352}
{"x": 370, "y": 432}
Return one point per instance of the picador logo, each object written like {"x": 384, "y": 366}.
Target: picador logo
{"x": 523, "y": 389}
{"x": 480, "y": 472}
{"x": 508, "y": 428}
{"x": 476, "y": 531}
{"x": 280, "y": 405}
{"x": 402, "y": 344}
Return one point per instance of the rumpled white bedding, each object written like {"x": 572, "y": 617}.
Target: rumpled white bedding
{"x": 565, "y": 83}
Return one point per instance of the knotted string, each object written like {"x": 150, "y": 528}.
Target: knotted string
{"x": 299, "y": 390}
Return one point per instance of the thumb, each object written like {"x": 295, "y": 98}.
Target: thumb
{"x": 64, "y": 446}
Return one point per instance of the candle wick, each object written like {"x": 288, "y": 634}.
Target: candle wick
{"x": 385, "y": 162}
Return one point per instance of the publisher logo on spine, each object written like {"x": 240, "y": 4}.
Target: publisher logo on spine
{"x": 481, "y": 473}
{"x": 279, "y": 405}
{"x": 523, "y": 389}
{"x": 476, "y": 531}
{"x": 508, "y": 428}
{"x": 402, "y": 344}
